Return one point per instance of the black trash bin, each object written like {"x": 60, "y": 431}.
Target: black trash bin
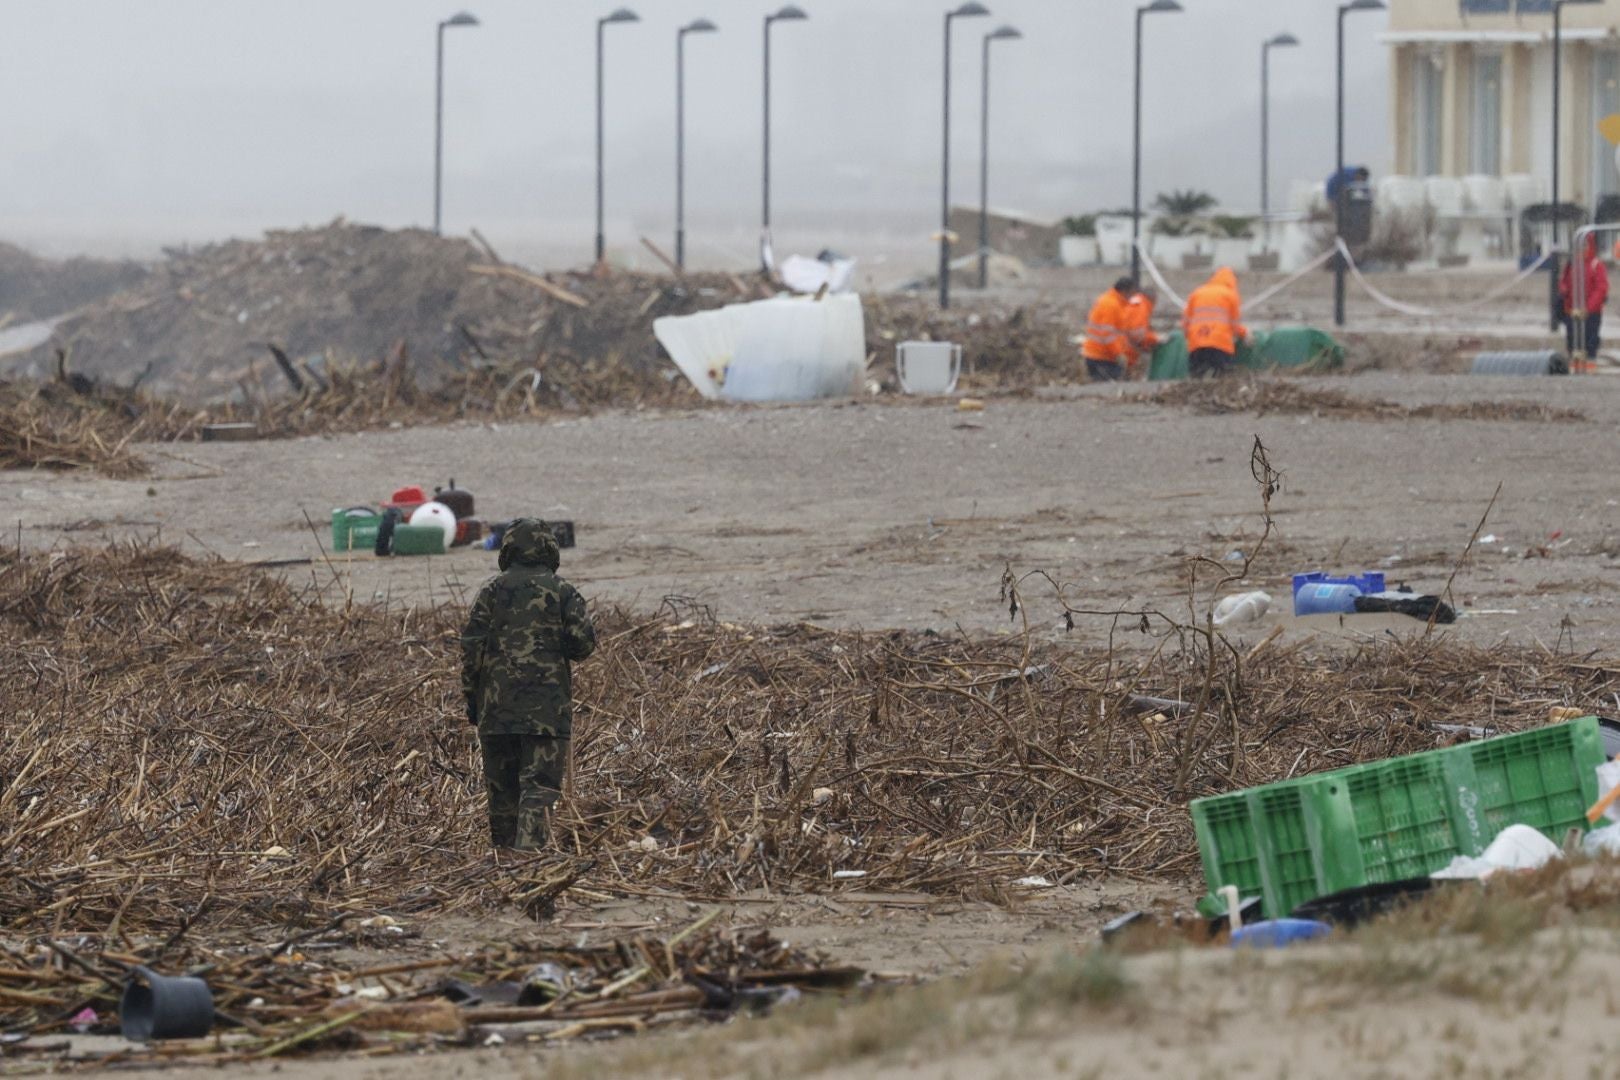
{"x": 1358, "y": 212}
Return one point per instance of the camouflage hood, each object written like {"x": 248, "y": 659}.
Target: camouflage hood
{"x": 529, "y": 542}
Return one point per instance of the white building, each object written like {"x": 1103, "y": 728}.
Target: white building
{"x": 1472, "y": 92}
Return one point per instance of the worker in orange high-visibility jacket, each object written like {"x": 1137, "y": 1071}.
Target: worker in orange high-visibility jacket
{"x": 1214, "y": 324}
{"x": 1105, "y": 349}
{"x": 1140, "y": 340}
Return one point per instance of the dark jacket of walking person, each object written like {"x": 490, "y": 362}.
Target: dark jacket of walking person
{"x": 1597, "y": 293}
{"x": 526, "y": 628}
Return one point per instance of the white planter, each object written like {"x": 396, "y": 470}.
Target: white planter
{"x": 1113, "y": 240}
{"x": 1077, "y": 250}
{"x": 1233, "y": 253}
{"x": 1168, "y": 251}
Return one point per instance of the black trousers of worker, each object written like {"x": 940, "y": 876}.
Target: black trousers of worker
{"x": 1594, "y": 333}
{"x": 1209, "y": 364}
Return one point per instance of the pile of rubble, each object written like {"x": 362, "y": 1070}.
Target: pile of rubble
{"x": 198, "y": 326}
{"x": 33, "y": 288}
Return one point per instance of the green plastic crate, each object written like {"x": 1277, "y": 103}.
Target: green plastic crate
{"x": 1391, "y": 820}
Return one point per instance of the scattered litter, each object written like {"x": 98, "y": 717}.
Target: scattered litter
{"x": 1424, "y": 608}
{"x": 1035, "y": 882}
{"x": 1279, "y": 933}
{"x": 848, "y": 875}
{"x": 1517, "y": 847}
{"x": 1245, "y": 607}
{"x": 1604, "y": 841}
{"x": 968, "y": 404}
{"x": 83, "y": 1020}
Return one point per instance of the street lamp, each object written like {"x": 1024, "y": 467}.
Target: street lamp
{"x": 1005, "y": 33}
{"x": 699, "y": 26}
{"x": 1338, "y": 172}
{"x": 1136, "y": 146}
{"x": 1557, "y": 102}
{"x": 1281, "y": 41}
{"x": 790, "y": 13}
{"x": 459, "y": 19}
{"x": 622, "y": 15}
{"x": 970, "y": 10}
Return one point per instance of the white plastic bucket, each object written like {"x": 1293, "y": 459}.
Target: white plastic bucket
{"x": 928, "y": 368}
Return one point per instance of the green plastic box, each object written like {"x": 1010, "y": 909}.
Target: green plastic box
{"x": 1406, "y": 817}
{"x": 355, "y": 531}
{"x": 418, "y": 540}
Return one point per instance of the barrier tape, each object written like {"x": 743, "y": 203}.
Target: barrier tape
{"x": 1339, "y": 247}
{"x": 1423, "y": 312}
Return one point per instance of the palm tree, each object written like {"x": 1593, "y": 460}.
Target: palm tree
{"x": 1187, "y": 203}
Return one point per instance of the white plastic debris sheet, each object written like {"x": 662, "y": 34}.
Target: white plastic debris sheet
{"x": 782, "y": 349}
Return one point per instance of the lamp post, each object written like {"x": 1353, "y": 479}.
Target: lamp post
{"x": 1338, "y": 171}
{"x": 970, "y": 10}
{"x": 699, "y": 26}
{"x": 1154, "y": 8}
{"x": 459, "y": 19}
{"x": 1281, "y": 41}
{"x": 1005, "y": 33}
{"x": 622, "y": 15}
{"x": 1557, "y": 102}
{"x": 790, "y": 13}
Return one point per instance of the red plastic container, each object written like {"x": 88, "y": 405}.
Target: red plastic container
{"x": 406, "y": 500}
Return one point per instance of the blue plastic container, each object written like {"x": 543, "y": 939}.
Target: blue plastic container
{"x": 1318, "y": 593}
{"x": 1279, "y": 933}
{"x": 1326, "y": 600}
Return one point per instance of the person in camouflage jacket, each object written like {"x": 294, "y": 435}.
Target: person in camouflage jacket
{"x": 526, "y": 628}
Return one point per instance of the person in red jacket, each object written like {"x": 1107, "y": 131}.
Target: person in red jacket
{"x": 1597, "y": 292}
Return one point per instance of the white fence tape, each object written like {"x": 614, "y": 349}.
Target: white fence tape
{"x": 1423, "y": 312}
{"x": 1355, "y": 271}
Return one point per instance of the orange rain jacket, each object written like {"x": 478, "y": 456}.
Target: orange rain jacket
{"x": 1105, "y": 328}
{"x": 1139, "y": 335}
{"x": 1215, "y": 314}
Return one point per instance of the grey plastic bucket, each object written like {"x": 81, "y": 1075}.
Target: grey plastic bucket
{"x": 1537, "y": 362}
{"x": 157, "y": 1006}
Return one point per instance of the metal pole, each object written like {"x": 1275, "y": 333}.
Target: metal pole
{"x": 438, "y": 135}
{"x": 984, "y": 169}
{"x": 1338, "y": 175}
{"x": 680, "y": 149}
{"x": 601, "y": 242}
{"x": 1136, "y": 157}
{"x": 1554, "y": 263}
{"x": 945, "y": 185}
{"x": 765, "y": 230}
{"x": 1265, "y": 142}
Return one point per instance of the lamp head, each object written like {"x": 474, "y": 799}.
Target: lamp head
{"x": 790, "y": 13}
{"x": 1004, "y": 33}
{"x": 969, "y": 10}
{"x": 699, "y": 26}
{"x": 462, "y": 18}
{"x": 1283, "y": 41}
{"x": 621, "y": 15}
{"x": 1158, "y": 6}
{"x": 1363, "y": 5}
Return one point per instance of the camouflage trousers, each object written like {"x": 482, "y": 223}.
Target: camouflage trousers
{"x": 523, "y": 775}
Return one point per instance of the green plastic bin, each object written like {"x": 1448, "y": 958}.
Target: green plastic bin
{"x": 354, "y": 529}
{"x": 1406, "y": 817}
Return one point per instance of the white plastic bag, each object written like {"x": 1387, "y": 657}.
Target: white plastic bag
{"x": 1245, "y": 607}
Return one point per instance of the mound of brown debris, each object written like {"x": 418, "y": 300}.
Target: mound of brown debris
{"x": 198, "y": 326}
{"x": 33, "y": 288}
{"x": 199, "y": 740}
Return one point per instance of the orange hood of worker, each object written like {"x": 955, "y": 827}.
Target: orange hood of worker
{"x": 1225, "y": 279}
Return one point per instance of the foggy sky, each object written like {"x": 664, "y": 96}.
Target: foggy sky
{"x": 135, "y": 122}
